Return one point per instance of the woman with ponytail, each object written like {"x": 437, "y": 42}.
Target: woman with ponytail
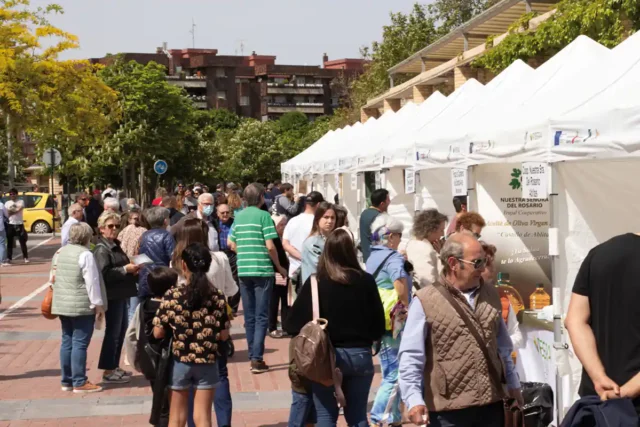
{"x": 194, "y": 312}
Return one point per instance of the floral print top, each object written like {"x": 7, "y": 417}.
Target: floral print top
{"x": 196, "y": 333}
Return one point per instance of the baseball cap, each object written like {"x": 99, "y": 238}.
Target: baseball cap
{"x": 96, "y": 191}
{"x": 314, "y": 198}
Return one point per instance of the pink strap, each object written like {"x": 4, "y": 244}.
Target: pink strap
{"x": 315, "y": 300}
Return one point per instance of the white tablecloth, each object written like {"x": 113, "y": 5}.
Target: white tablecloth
{"x": 536, "y": 362}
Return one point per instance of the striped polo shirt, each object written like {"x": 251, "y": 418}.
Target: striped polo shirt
{"x": 251, "y": 229}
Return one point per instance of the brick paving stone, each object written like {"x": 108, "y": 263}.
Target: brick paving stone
{"x": 30, "y": 379}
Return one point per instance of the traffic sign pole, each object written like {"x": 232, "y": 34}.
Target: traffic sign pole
{"x": 53, "y": 197}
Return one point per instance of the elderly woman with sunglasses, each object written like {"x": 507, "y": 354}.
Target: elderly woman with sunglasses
{"x": 118, "y": 274}
{"x": 389, "y": 270}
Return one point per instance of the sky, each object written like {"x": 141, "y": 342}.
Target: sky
{"x": 296, "y": 31}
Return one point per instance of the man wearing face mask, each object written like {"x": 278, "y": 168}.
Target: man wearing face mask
{"x": 205, "y": 212}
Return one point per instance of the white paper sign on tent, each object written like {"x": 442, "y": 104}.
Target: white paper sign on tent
{"x": 535, "y": 176}
{"x": 409, "y": 181}
{"x": 459, "y": 181}
{"x": 337, "y": 185}
{"x": 354, "y": 181}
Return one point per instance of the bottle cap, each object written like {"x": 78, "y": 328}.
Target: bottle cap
{"x": 503, "y": 276}
{"x": 540, "y": 285}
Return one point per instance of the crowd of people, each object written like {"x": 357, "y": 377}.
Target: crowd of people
{"x": 165, "y": 281}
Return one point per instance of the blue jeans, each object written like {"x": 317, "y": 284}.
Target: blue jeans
{"x": 115, "y": 330}
{"x": 222, "y": 402}
{"x": 302, "y": 410}
{"x": 389, "y": 364}
{"x": 76, "y": 335}
{"x": 132, "y": 304}
{"x": 3, "y": 245}
{"x": 356, "y": 365}
{"x": 256, "y": 294}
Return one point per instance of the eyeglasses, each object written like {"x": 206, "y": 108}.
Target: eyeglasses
{"x": 224, "y": 213}
{"x": 111, "y": 226}
{"x": 478, "y": 264}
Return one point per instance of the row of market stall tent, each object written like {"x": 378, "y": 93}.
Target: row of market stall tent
{"x": 579, "y": 111}
{"x": 581, "y": 103}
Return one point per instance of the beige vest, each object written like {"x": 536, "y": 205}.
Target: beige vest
{"x": 456, "y": 372}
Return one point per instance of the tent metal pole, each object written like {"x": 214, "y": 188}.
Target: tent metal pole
{"x": 558, "y": 343}
{"x": 472, "y": 195}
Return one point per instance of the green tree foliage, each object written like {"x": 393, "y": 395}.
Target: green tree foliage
{"x": 157, "y": 117}
{"x": 450, "y": 14}
{"x": 405, "y": 35}
{"x": 252, "y": 153}
{"x": 605, "y": 21}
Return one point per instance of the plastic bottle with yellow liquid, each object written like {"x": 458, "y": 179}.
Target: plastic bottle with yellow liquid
{"x": 507, "y": 291}
{"x": 539, "y": 299}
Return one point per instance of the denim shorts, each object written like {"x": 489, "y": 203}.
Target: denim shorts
{"x": 200, "y": 376}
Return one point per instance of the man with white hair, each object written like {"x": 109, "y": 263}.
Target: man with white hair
{"x": 455, "y": 345}
{"x": 111, "y": 205}
{"x": 75, "y": 217}
{"x": 205, "y": 212}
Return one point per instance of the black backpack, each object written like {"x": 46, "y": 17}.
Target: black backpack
{"x": 147, "y": 356}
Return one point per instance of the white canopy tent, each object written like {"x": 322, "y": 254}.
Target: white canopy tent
{"x": 518, "y": 132}
{"x": 605, "y": 124}
{"x": 446, "y": 142}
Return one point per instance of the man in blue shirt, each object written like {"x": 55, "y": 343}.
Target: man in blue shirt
{"x": 380, "y": 202}
{"x": 445, "y": 378}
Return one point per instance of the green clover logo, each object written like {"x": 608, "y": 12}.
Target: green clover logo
{"x": 515, "y": 181}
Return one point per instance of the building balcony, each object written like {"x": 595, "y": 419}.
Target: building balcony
{"x": 297, "y": 85}
{"x": 296, "y": 90}
{"x": 303, "y": 107}
{"x": 188, "y": 81}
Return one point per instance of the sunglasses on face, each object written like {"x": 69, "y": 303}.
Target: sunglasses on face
{"x": 111, "y": 226}
{"x": 478, "y": 264}
{"x": 225, "y": 213}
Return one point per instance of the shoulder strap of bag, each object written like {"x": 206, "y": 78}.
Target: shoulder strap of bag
{"x": 315, "y": 299}
{"x": 54, "y": 267}
{"x": 379, "y": 269}
{"x": 497, "y": 378}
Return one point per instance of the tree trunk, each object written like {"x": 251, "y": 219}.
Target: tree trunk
{"x": 143, "y": 203}
{"x": 132, "y": 174}
{"x": 10, "y": 165}
{"x": 124, "y": 179}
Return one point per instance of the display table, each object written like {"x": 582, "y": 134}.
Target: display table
{"x": 536, "y": 359}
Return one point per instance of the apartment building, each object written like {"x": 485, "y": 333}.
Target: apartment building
{"x": 254, "y": 86}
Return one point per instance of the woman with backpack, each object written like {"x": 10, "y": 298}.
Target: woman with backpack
{"x": 389, "y": 268}
{"x": 350, "y": 302}
{"x": 195, "y": 314}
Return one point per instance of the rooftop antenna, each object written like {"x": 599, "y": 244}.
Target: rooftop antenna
{"x": 193, "y": 32}
{"x": 241, "y": 42}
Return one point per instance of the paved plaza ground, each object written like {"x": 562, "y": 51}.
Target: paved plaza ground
{"x": 30, "y": 392}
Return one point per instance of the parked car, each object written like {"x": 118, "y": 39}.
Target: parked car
{"x": 38, "y": 211}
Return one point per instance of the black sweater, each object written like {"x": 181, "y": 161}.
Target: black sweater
{"x": 354, "y": 311}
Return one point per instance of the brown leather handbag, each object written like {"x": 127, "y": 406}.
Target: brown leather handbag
{"x": 513, "y": 415}
{"x": 47, "y": 303}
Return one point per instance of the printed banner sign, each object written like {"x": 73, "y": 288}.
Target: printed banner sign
{"x": 535, "y": 180}
{"x": 354, "y": 181}
{"x": 459, "y": 182}
{"x": 409, "y": 181}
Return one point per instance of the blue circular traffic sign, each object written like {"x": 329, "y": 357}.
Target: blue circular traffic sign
{"x": 160, "y": 167}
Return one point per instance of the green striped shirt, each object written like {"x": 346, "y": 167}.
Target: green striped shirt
{"x": 251, "y": 229}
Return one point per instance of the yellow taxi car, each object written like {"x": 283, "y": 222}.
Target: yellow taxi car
{"x": 38, "y": 211}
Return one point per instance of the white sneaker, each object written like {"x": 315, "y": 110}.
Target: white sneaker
{"x": 5, "y": 264}
{"x": 26, "y": 260}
